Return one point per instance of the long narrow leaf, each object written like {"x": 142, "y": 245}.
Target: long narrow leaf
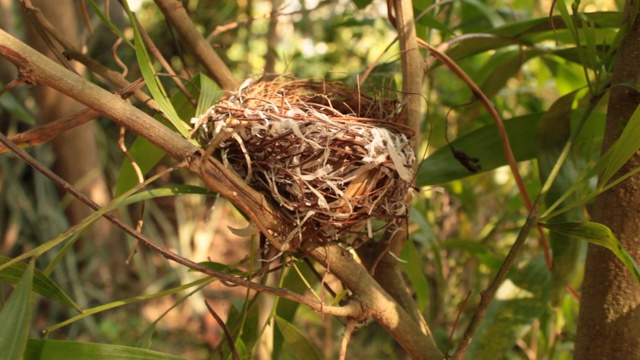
{"x": 41, "y": 283}
{"x": 166, "y": 191}
{"x": 552, "y": 135}
{"x": 208, "y": 89}
{"x": 153, "y": 83}
{"x": 66, "y": 350}
{"x": 600, "y": 235}
{"x": 484, "y": 144}
{"x": 15, "y": 318}
{"x": 300, "y": 345}
{"x": 115, "y": 304}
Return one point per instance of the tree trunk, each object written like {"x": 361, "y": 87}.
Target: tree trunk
{"x": 609, "y": 320}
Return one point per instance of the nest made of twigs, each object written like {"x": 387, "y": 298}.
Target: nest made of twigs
{"x": 332, "y": 158}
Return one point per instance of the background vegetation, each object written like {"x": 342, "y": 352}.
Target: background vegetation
{"x": 548, "y": 77}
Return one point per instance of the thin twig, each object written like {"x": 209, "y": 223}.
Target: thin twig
{"x": 140, "y": 176}
{"x": 346, "y": 338}
{"x": 455, "y": 323}
{"x": 35, "y": 15}
{"x": 51, "y": 130}
{"x": 227, "y": 334}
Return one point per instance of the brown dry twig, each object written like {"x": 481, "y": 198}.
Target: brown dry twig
{"x": 49, "y": 131}
{"x": 227, "y": 334}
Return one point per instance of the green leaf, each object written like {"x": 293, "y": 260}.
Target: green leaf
{"x": 529, "y": 32}
{"x": 118, "y": 303}
{"x": 299, "y": 344}
{"x": 113, "y": 27}
{"x": 64, "y": 350}
{"x": 484, "y": 144}
{"x": 286, "y": 309}
{"x": 622, "y": 150}
{"x": 361, "y": 4}
{"x": 208, "y": 91}
{"x": 146, "y": 156}
{"x": 618, "y": 154}
{"x": 519, "y": 301}
{"x": 172, "y": 190}
{"x": 502, "y": 67}
{"x": 145, "y": 153}
{"x": 412, "y": 267}
{"x": 597, "y": 234}
{"x": 15, "y": 108}
{"x": 552, "y": 134}
{"x": 153, "y": 83}
{"x": 15, "y": 318}
{"x": 41, "y": 283}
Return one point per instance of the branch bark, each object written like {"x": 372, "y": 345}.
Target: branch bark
{"x": 36, "y": 68}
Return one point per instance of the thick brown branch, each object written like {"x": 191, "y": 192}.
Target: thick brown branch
{"x": 376, "y": 302}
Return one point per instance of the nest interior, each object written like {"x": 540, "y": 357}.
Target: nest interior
{"x": 332, "y": 158}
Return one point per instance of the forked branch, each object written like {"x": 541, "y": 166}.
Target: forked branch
{"x": 374, "y": 301}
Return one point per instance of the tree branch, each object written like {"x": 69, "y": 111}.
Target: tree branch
{"x": 375, "y": 302}
{"x": 179, "y": 19}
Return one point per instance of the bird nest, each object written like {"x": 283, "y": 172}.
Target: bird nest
{"x": 332, "y": 158}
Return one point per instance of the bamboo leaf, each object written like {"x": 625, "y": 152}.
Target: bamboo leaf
{"x": 413, "y": 269}
{"x": 15, "y": 318}
{"x": 64, "y": 350}
{"x": 115, "y": 304}
{"x": 484, "y": 144}
{"x": 105, "y": 20}
{"x": 41, "y": 283}
{"x": 153, "y": 83}
{"x": 172, "y": 190}
{"x": 208, "y": 90}
{"x": 300, "y": 345}
{"x": 625, "y": 146}
{"x": 552, "y": 134}
{"x": 287, "y": 309}
{"x": 597, "y": 234}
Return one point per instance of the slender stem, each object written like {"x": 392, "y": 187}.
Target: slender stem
{"x": 489, "y": 293}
